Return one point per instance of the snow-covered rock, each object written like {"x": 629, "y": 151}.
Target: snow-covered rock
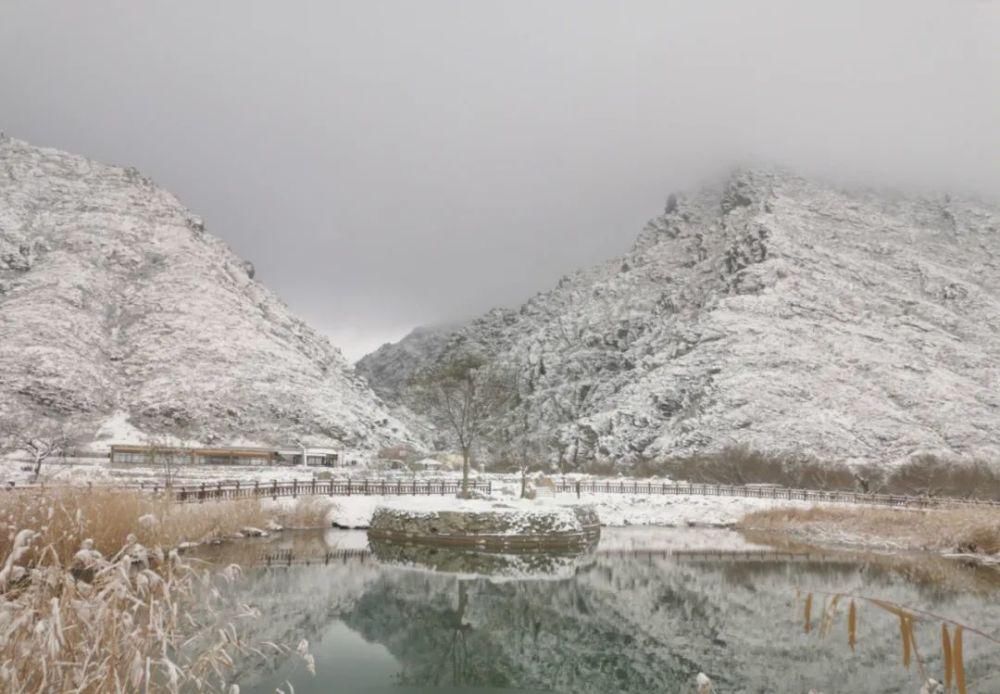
{"x": 118, "y": 309}
{"x": 771, "y": 311}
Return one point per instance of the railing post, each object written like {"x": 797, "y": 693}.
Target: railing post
{"x": 366, "y": 486}
{"x": 578, "y": 489}
{"x": 295, "y": 489}
{"x": 201, "y": 495}
{"x": 256, "y": 488}
{"x": 237, "y": 489}
{"x": 274, "y": 489}
{"x": 314, "y": 486}
{"x": 348, "y": 486}
{"x": 218, "y": 486}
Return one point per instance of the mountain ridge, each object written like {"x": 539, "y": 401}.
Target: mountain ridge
{"x": 767, "y": 310}
{"x": 114, "y": 298}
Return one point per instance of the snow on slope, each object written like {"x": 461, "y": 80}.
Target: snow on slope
{"x": 771, "y": 311}
{"x": 114, "y": 299}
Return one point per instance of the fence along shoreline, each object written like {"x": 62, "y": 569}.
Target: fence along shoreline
{"x": 219, "y": 491}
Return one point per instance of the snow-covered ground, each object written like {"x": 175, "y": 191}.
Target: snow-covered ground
{"x": 614, "y": 510}
{"x": 16, "y": 467}
{"x": 100, "y": 471}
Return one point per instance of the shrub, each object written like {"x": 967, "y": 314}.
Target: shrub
{"x": 920, "y": 476}
{"x": 741, "y": 465}
{"x": 929, "y": 475}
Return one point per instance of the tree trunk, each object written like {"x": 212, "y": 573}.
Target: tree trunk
{"x": 38, "y": 466}
{"x": 465, "y": 472}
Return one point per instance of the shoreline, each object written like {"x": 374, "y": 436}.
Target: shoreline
{"x": 958, "y": 534}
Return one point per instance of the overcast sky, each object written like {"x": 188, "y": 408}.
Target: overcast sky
{"x": 389, "y": 164}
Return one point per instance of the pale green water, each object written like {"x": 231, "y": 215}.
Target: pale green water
{"x": 621, "y": 619}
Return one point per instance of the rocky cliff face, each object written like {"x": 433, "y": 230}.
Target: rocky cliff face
{"x": 770, "y": 311}
{"x": 114, "y": 298}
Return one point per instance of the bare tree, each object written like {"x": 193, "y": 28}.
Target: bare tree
{"x": 168, "y": 455}
{"x": 463, "y": 393}
{"x": 570, "y": 404}
{"x": 41, "y": 439}
{"x": 517, "y": 440}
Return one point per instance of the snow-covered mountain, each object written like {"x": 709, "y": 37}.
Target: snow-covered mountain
{"x": 771, "y": 311}
{"x": 115, "y": 300}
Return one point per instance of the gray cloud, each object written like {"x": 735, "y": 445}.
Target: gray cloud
{"x": 387, "y": 164}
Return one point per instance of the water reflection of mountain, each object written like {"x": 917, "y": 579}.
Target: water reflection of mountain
{"x": 639, "y": 624}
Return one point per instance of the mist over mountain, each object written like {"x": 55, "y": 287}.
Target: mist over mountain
{"x": 769, "y": 310}
{"x": 116, "y": 302}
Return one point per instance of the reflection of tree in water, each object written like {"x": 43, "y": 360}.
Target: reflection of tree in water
{"x": 545, "y": 635}
{"x": 455, "y": 659}
{"x": 423, "y": 627}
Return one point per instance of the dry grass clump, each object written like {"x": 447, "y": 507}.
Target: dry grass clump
{"x": 68, "y": 515}
{"x": 306, "y": 512}
{"x": 975, "y": 530}
{"x": 141, "y": 620}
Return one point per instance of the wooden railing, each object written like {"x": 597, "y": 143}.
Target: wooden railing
{"x": 295, "y": 488}
{"x": 213, "y": 491}
{"x": 288, "y": 557}
{"x": 761, "y": 492}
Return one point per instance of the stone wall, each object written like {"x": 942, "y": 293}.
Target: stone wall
{"x": 495, "y": 525}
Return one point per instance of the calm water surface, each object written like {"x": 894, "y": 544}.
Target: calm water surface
{"x": 644, "y": 611}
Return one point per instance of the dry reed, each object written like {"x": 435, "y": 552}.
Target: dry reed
{"x": 67, "y": 515}
{"x": 306, "y": 512}
{"x": 141, "y": 619}
{"x": 966, "y": 530}
{"x": 952, "y": 656}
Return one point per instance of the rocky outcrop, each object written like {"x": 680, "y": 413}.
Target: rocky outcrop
{"x": 771, "y": 311}
{"x": 115, "y": 299}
